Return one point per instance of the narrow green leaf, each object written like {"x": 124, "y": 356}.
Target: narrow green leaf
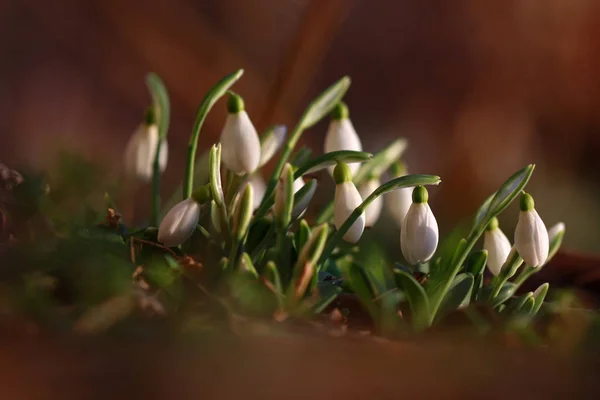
{"x": 458, "y": 295}
{"x": 539, "y": 295}
{"x": 162, "y": 104}
{"x": 330, "y": 159}
{"x": 323, "y": 104}
{"x": 382, "y": 161}
{"x": 216, "y": 187}
{"x": 213, "y": 95}
{"x": 417, "y": 299}
{"x": 476, "y": 262}
{"x": 284, "y": 198}
{"x": 356, "y": 279}
{"x": 327, "y": 294}
{"x": 302, "y": 235}
{"x": 245, "y": 264}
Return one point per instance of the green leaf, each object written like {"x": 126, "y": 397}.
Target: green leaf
{"x": 417, "y": 299}
{"x": 284, "y": 198}
{"x": 271, "y": 274}
{"x": 357, "y": 280}
{"x": 555, "y": 243}
{"x": 539, "y": 295}
{"x": 302, "y": 235}
{"x": 323, "y": 104}
{"x": 507, "y": 291}
{"x": 330, "y": 159}
{"x": 216, "y": 187}
{"x": 458, "y": 295}
{"x": 160, "y": 98}
{"x": 382, "y": 161}
{"x": 327, "y": 294}
{"x": 503, "y": 197}
{"x": 213, "y": 95}
{"x": 476, "y": 262}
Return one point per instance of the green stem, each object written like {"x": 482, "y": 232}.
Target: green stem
{"x": 208, "y": 102}
{"x": 509, "y": 270}
{"x": 155, "y": 187}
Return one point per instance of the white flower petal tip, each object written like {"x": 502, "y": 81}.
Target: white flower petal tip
{"x": 141, "y": 151}
{"x": 419, "y": 235}
{"x": 341, "y": 135}
{"x": 398, "y": 202}
{"x": 531, "y": 236}
{"x": 498, "y": 247}
{"x": 179, "y": 223}
{"x": 240, "y": 144}
{"x": 373, "y": 211}
{"x": 346, "y": 200}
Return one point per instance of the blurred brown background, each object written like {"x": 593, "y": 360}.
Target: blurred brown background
{"x": 480, "y": 88}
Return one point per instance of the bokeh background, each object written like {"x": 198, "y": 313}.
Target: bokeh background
{"x": 480, "y": 88}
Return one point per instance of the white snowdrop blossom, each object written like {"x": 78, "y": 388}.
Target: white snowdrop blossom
{"x": 341, "y": 135}
{"x": 497, "y": 245}
{"x": 346, "y": 200}
{"x": 373, "y": 210}
{"x": 140, "y": 153}
{"x": 531, "y": 236}
{"x": 239, "y": 141}
{"x": 419, "y": 235}
{"x": 179, "y": 223}
{"x": 398, "y": 201}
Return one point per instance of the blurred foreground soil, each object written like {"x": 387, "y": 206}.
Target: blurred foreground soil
{"x": 279, "y": 368}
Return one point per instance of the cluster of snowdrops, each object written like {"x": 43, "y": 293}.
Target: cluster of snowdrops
{"x": 289, "y": 254}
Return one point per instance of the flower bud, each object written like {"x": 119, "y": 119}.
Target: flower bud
{"x": 419, "y": 235}
{"x": 531, "y": 236}
{"x": 243, "y": 213}
{"x": 179, "y": 223}
{"x": 373, "y": 210}
{"x": 341, "y": 135}
{"x": 284, "y": 197}
{"x": 239, "y": 140}
{"x": 140, "y": 151}
{"x": 497, "y": 245}
{"x": 346, "y": 200}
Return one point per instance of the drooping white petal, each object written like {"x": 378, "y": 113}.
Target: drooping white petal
{"x": 398, "y": 202}
{"x": 240, "y": 144}
{"x": 259, "y": 186}
{"x": 140, "y": 152}
{"x": 346, "y": 200}
{"x": 374, "y": 209}
{"x": 419, "y": 235}
{"x": 179, "y": 223}
{"x": 341, "y": 135}
{"x": 498, "y": 247}
{"x": 531, "y": 238}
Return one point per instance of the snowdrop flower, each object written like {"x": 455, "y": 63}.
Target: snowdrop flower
{"x": 341, "y": 135}
{"x": 419, "y": 235}
{"x": 141, "y": 150}
{"x": 181, "y": 220}
{"x": 374, "y": 209}
{"x": 398, "y": 201}
{"x": 531, "y": 236}
{"x": 239, "y": 140}
{"x": 346, "y": 200}
{"x": 497, "y": 245}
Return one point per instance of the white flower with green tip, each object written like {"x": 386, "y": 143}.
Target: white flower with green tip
{"x": 419, "y": 235}
{"x": 346, "y": 200}
{"x": 531, "y": 236}
{"x": 341, "y": 135}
